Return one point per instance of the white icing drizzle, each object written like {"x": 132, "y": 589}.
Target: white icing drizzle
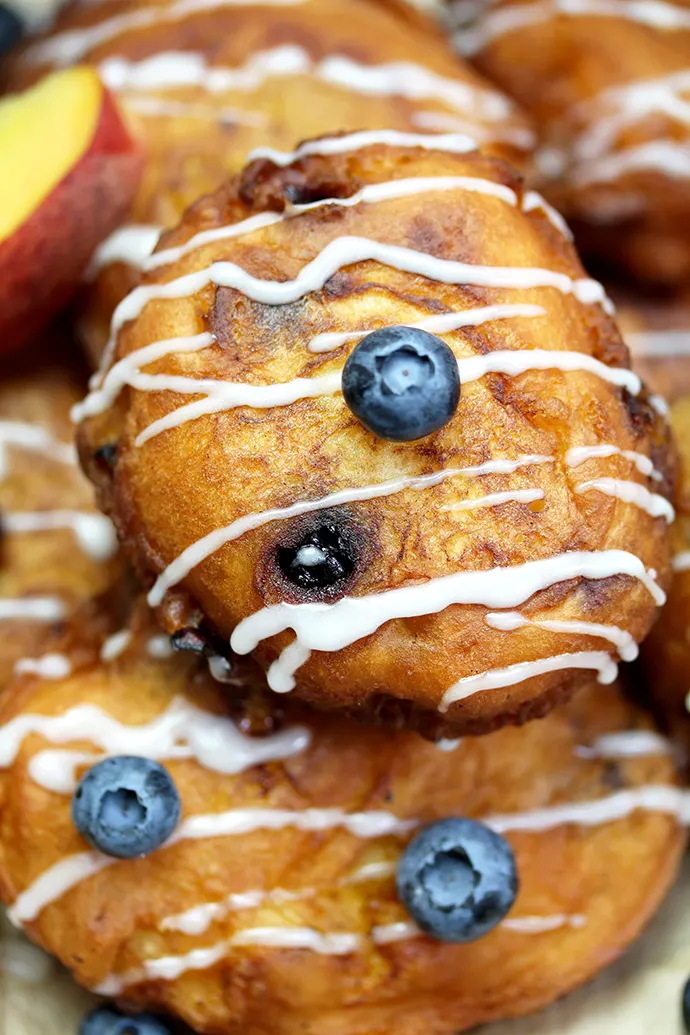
{"x": 160, "y": 647}
{"x": 69, "y": 872}
{"x": 116, "y": 645}
{"x": 442, "y": 323}
{"x": 630, "y": 492}
{"x": 681, "y": 561}
{"x": 346, "y": 251}
{"x": 169, "y": 968}
{"x": 372, "y": 193}
{"x": 209, "y": 544}
{"x": 32, "y": 609}
{"x": 659, "y": 344}
{"x": 414, "y": 82}
{"x": 181, "y": 731}
{"x": 508, "y": 621}
{"x": 57, "y": 880}
{"x": 132, "y": 244}
{"x": 50, "y": 666}
{"x": 221, "y": 396}
{"x": 626, "y": 744}
{"x": 33, "y": 438}
{"x": 94, "y": 533}
{"x": 331, "y": 627}
{"x": 658, "y": 403}
{"x": 497, "y": 678}
{"x": 496, "y": 499}
{"x": 649, "y": 798}
{"x": 154, "y": 107}
{"x": 580, "y": 454}
{"x": 126, "y": 372}
{"x": 668, "y": 157}
{"x": 56, "y": 770}
{"x": 497, "y": 23}
{"x": 623, "y": 106}
{"x": 541, "y": 924}
{"x": 455, "y": 143}
{"x": 443, "y": 122}
{"x": 68, "y": 48}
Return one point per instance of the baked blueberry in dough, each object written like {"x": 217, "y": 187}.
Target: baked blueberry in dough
{"x": 467, "y": 578}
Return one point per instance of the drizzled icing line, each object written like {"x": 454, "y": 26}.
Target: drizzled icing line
{"x": 331, "y": 627}
{"x": 131, "y": 244}
{"x": 71, "y": 871}
{"x": 335, "y": 943}
{"x": 209, "y": 544}
{"x": 32, "y": 609}
{"x": 656, "y": 13}
{"x": 33, "y": 438}
{"x": 494, "y": 679}
{"x": 372, "y": 193}
{"x": 346, "y": 251}
{"x": 181, "y": 731}
{"x": 68, "y": 48}
{"x": 681, "y": 561}
{"x": 414, "y": 82}
{"x": 630, "y": 492}
{"x": 94, "y": 533}
{"x": 454, "y": 143}
{"x": 580, "y": 454}
{"x": 508, "y": 621}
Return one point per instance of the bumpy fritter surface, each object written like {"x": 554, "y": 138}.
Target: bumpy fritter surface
{"x": 206, "y": 86}
{"x": 667, "y": 652}
{"x": 607, "y": 86}
{"x": 657, "y": 332}
{"x": 216, "y": 464}
{"x": 45, "y": 572}
{"x": 127, "y": 929}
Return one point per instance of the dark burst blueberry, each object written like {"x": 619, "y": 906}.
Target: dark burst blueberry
{"x": 126, "y": 807}
{"x": 685, "y": 1005}
{"x": 324, "y": 558}
{"x": 106, "y": 1020}
{"x": 402, "y": 383}
{"x": 11, "y": 28}
{"x": 106, "y": 456}
{"x": 457, "y": 879}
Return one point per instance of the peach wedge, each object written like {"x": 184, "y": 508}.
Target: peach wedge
{"x": 68, "y": 171}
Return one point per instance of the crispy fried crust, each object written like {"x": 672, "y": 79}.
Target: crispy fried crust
{"x": 38, "y": 389}
{"x": 184, "y": 483}
{"x": 607, "y": 879}
{"x": 190, "y": 154}
{"x": 627, "y": 205}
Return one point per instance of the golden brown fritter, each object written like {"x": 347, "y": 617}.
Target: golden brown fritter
{"x": 220, "y": 461}
{"x": 657, "y": 332}
{"x": 256, "y": 74}
{"x": 666, "y": 653}
{"x": 585, "y": 890}
{"x": 607, "y": 89}
{"x": 47, "y": 572}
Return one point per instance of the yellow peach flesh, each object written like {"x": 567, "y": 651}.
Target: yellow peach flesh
{"x": 43, "y": 134}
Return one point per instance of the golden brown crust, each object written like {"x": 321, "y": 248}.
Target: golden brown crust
{"x": 38, "y": 389}
{"x": 177, "y": 487}
{"x": 191, "y": 154}
{"x": 612, "y": 875}
{"x": 626, "y": 205}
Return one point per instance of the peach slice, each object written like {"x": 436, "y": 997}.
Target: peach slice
{"x": 68, "y": 172}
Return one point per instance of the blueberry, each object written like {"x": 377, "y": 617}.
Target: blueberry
{"x": 686, "y": 1005}
{"x": 323, "y": 558}
{"x": 457, "y": 879}
{"x": 108, "y": 1021}
{"x": 10, "y": 28}
{"x": 126, "y": 807}
{"x": 402, "y": 383}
